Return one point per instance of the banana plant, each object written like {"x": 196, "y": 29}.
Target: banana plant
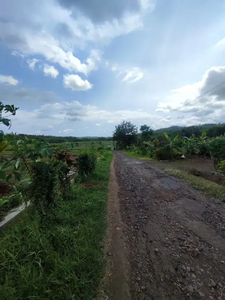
{"x": 191, "y": 145}
{"x": 171, "y": 144}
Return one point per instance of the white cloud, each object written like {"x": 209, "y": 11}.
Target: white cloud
{"x": 55, "y": 31}
{"x": 67, "y": 130}
{"x": 146, "y": 4}
{"x": 32, "y": 63}
{"x": 42, "y": 43}
{"x": 51, "y": 70}
{"x": 75, "y": 111}
{"x": 8, "y": 80}
{"x": 133, "y": 75}
{"x": 76, "y": 83}
{"x": 97, "y": 124}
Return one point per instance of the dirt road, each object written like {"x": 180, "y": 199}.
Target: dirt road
{"x": 167, "y": 240}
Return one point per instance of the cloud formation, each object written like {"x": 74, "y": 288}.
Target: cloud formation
{"x": 8, "y": 80}
{"x": 28, "y": 97}
{"x": 51, "y": 71}
{"x": 76, "y": 83}
{"x": 100, "y": 10}
{"x": 32, "y": 63}
{"x": 204, "y": 100}
{"x": 133, "y": 75}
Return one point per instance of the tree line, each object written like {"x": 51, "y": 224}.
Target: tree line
{"x": 126, "y": 133}
{"x": 61, "y": 139}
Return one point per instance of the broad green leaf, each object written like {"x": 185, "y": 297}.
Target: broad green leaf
{"x": 5, "y": 121}
{"x": 17, "y": 163}
{"x": 166, "y": 135}
{"x": 19, "y": 142}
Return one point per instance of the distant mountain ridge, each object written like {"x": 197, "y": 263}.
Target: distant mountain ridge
{"x": 174, "y": 127}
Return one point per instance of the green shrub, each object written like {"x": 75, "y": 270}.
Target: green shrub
{"x": 222, "y": 166}
{"x": 87, "y": 161}
{"x": 43, "y": 187}
{"x": 217, "y": 148}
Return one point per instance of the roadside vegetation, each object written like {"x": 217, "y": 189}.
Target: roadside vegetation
{"x": 55, "y": 249}
{"x": 59, "y": 255}
{"x": 183, "y": 144}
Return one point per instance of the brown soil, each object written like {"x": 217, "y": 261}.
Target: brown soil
{"x": 167, "y": 240}
{"x": 118, "y": 272}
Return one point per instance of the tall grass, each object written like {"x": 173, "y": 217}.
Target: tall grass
{"x": 61, "y": 258}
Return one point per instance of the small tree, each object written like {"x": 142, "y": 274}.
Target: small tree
{"x": 125, "y": 134}
{"x": 146, "y": 132}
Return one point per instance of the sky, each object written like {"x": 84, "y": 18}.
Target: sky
{"x": 78, "y": 68}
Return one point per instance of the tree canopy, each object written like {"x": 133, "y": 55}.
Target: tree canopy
{"x": 146, "y": 132}
{"x": 125, "y": 134}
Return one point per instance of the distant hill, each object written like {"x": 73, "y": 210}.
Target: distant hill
{"x": 173, "y": 128}
{"x": 211, "y": 129}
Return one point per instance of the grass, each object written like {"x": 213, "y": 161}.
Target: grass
{"x": 211, "y": 188}
{"x": 62, "y": 257}
{"x": 135, "y": 155}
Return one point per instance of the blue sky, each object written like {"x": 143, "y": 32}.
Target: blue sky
{"x": 78, "y": 68}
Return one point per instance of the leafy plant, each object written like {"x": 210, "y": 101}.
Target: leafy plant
{"x": 217, "y": 149}
{"x": 25, "y": 152}
{"x": 44, "y": 185}
{"x": 222, "y": 166}
{"x": 6, "y": 108}
{"x": 87, "y": 161}
{"x": 169, "y": 147}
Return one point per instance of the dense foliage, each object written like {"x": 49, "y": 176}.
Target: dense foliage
{"x": 212, "y": 130}
{"x": 87, "y": 161}
{"x": 188, "y": 142}
{"x": 146, "y": 132}
{"x": 125, "y": 135}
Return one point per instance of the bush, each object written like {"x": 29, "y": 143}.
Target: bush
{"x": 49, "y": 183}
{"x": 86, "y": 162}
{"x": 217, "y": 148}
{"x": 222, "y": 166}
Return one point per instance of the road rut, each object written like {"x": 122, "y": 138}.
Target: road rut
{"x": 173, "y": 236}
